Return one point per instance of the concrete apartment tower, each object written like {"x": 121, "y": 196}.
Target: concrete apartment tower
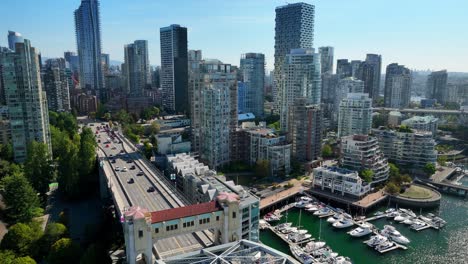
{"x": 355, "y": 115}
{"x": 136, "y": 67}
{"x": 13, "y": 38}
{"x": 56, "y": 84}
{"x": 397, "y": 86}
{"x": 437, "y": 86}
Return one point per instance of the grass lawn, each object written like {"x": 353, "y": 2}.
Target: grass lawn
{"x": 416, "y": 192}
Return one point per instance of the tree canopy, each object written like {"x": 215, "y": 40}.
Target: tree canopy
{"x": 21, "y": 239}
{"x": 327, "y": 151}
{"x": 367, "y": 175}
{"x": 64, "y": 251}
{"x": 429, "y": 169}
{"x": 38, "y": 167}
{"x": 20, "y": 198}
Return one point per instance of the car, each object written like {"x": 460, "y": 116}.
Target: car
{"x": 132, "y": 167}
{"x": 99, "y": 141}
{"x": 150, "y": 189}
{"x": 113, "y": 161}
{"x": 124, "y": 169}
{"x": 129, "y": 161}
{"x": 140, "y": 173}
{"x": 114, "y": 148}
{"x": 107, "y": 145}
{"x": 91, "y": 124}
{"x": 110, "y": 155}
{"x": 130, "y": 181}
{"x": 117, "y": 168}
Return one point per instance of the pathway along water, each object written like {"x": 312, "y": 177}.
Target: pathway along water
{"x": 448, "y": 245}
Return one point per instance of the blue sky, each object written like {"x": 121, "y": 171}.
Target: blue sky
{"x": 421, "y": 34}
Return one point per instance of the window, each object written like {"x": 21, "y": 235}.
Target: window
{"x": 234, "y": 215}
{"x": 156, "y": 230}
{"x": 140, "y": 233}
{"x": 217, "y": 218}
{"x": 184, "y": 225}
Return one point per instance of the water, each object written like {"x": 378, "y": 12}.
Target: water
{"x": 448, "y": 245}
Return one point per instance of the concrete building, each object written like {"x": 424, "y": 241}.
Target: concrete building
{"x": 355, "y": 115}
{"x": 137, "y": 69}
{"x": 326, "y": 59}
{"x": 305, "y": 130}
{"x": 355, "y": 65}
{"x": 105, "y": 63}
{"x": 437, "y": 85}
{"x": 361, "y": 152}
{"x": 423, "y": 123}
{"x": 341, "y": 181}
{"x": 88, "y": 41}
{"x": 26, "y": 101}
{"x": 241, "y": 94}
{"x": 172, "y": 144}
{"x": 343, "y": 87}
{"x": 56, "y": 81}
{"x": 415, "y": 148}
{"x": 83, "y": 103}
{"x": 174, "y": 68}
{"x": 294, "y": 28}
{"x": 173, "y": 121}
{"x": 301, "y": 78}
{"x": 73, "y": 64}
{"x": 394, "y": 118}
{"x": 13, "y": 38}
{"x": 369, "y": 72}
{"x": 252, "y": 73}
{"x": 344, "y": 68}
{"x": 329, "y": 91}
{"x": 397, "y": 86}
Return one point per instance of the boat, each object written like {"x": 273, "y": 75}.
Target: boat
{"x": 408, "y": 212}
{"x": 390, "y": 210}
{"x": 302, "y": 231}
{"x": 334, "y": 218}
{"x": 362, "y": 230}
{"x": 288, "y": 230}
{"x": 343, "y": 223}
{"x": 323, "y": 211}
{"x": 439, "y": 222}
{"x": 392, "y": 214}
{"x": 282, "y": 226}
{"x": 401, "y": 217}
{"x": 312, "y": 207}
{"x": 418, "y": 224}
{"x": 385, "y": 245}
{"x": 306, "y": 199}
{"x": 270, "y": 217}
{"x": 376, "y": 240}
{"x": 299, "y": 254}
{"x": 301, "y": 204}
{"x": 296, "y": 238}
{"x": 342, "y": 260}
{"x": 313, "y": 246}
{"x": 390, "y": 232}
{"x": 324, "y": 253}
{"x": 378, "y": 213}
{"x": 408, "y": 221}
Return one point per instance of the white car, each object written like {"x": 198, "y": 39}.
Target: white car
{"x": 124, "y": 169}
{"x": 117, "y": 168}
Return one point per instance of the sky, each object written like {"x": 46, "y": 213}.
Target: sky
{"x": 421, "y": 34}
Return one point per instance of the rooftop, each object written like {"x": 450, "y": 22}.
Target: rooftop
{"x": 181, "y": 212}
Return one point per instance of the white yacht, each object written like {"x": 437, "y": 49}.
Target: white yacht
{"x": 376, "y": 240}
{"x": 408, "y": 221}
{"x": 343, "y": 223}
{"x": 312, "y": 207}
{"x": 323, "y": 211}
{"x": 362, "y": 230}
{"x": 313, "y": 246}
{"x": 390, "y": 210}
{"x": 306, "y": 199}
{"x": 300, "y": 255}
{"x": 401, "y": 217}
{"x": 390, "y": 232}
{"x": 301, "y": 204}
{"x": 288, "y": 230}
{"x": 385, "y": 245}
{"x": 418, "y": 224}
{"x": 302, "y": 231}
{"x": 408, "y": 212}
{"x": 282, "y": 226}
{"x": 334, "y": 218}
{"x": 392, "y": 214}
{"x": 342, "y": 260}
{"x": 296, "y": 238}
{"x": 270, "y": 217}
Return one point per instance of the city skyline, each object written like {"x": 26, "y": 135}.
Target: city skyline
{"x": 243, "y": 27}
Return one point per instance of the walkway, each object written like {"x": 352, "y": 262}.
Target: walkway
{"x": 439, "y": 176}
{"x": 271, "y": 200}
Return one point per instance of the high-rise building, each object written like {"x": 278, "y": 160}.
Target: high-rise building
{"x": 355, "y": 64}
{"x": 56, "y": 81}
{"x": 105, "y": 63}
{"x": 344, "y": 87}
{"x": 174, "y": 68}
{"x": 88, "y": 42}
{"x": 13, "y": 38}
{"x": 326, "y": 59}
{"x": 344, "y": 68}
{"x": 194, "y": 92}
{"x": 137, "y": 69}
{"x": 252, "y": 72}
{"x": 294, "y": 28}
{"x": 355, "y": 115}
{"x": 241, "y": 97}
{"x": 369, "y": 72}
{"x": 73, "y": 64}
{"x": 26, "y": 101}
{"x": 301, "y": 78}
{"x": 397, "y": 86}
{"x": 156, "y": 77}
{"x": 305, "y": 130}
{"x": 437, "y": 86}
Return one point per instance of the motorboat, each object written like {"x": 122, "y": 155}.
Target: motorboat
{"x": 362, "y": 230}
{"x": 392, "y": 214}
{"x": 306, "y": 199}
{"x": 301, "y": 204}
{"x": 439, "y": 222}
{"x": 408, "y": 212}
{"x": 408, "y": 221}
{"x": 390, "y": 210}
{"x": 385, "y": 245}
{"x": 313, "y": 246}
{"x": 376, "y": 240}
{"x": 323, "y": 211}
{"x": 324, "y": 253}
{"x": 270, "y": 217}
{"x": 334, "y": 218}
{"x": 296, "y": 238}
{"x": 378, "y": 213}
{"x": 282, "y": 226}
{"x": 418, "y": 224}
{"x": 288, "y": 230}
{"x": 401, "y": 217}
{"x": 342, "y": 260}
{"x": 390, "y": 232}
{"x": 300, "y": 255}
{"x": 312, "y": 207}
{"x": 343, "y": 223}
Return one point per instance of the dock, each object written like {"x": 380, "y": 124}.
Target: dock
{"x": 284, "y": 236}
{"x": 372, "y": 218}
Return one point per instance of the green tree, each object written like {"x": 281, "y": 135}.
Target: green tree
{"x": 379, "y": 120}
{"x": 21, "y": 239}
{"x": 20, "y": 198}
{"x": 64, "y": 251}
{"x": 262, "y": 168}
{"x": 67, "y": 166}
{"x": 392, "y": 188}
{"x": 6, "y": 256}
{"x": 6, "y": 151}
{"x": 53, "y": 232}
{"x": 367, "y": 175}
{"x": 64, "y": 121}
{"x": 406, "y": 178}
{"x": 147, "y": 150}
{"x": 7, "y": 168}
{"x": 87, "y": 155}
{"x": 38, "y": 167}
{"x": 107, "y": 116}
{"x": 152, "y": 129}
{"x": 394, "y": 170}
{"x": 442, "y": 160}
{"x": 24, "y": 260}
{"x": 405, "y": 129}
{"x": 429, "y": 169}
{"x": 327, "y": 151}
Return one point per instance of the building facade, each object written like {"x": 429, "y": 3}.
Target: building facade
{"x": 13, "y": 38}
{"x": 88, "y": 42}
{"x": 174, "y": 68}
{"x": 326, "y": 59}
{"x": 437, "y": 85}
{"x": 397, "y": 86}
{"x": 26, "y": 101}
{"x": 341, "y": 181}
{"x": 252, "y": 72}
{"x": 355, "y": 115}
{"x": 369, "y": 72}
{"x": 344, "y": 68}
{"x": 424, "y": 123}
{"x": 137, "y": 69}
{"x": 56, "y": 84}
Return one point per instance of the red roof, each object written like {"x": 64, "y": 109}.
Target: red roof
{"x": 180, "y": 212}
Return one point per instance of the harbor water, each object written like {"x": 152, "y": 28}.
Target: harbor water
{"x": 448, "y": 245}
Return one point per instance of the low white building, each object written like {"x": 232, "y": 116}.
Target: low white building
{"x": 423, "y": 123}
{"x": 340, "y": 181}
{"x": 172, "y": 144}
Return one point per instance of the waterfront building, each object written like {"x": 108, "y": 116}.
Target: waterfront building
{"x": 416, "y": 148}
{"x": 397, "y": 86}
{"x": 294, "y": 28}
{"x": 56, "y": 84}
{"x": 252, "y": 75}
{"x": 174, "y": 68}
{"x": 13, "y": 38}
{"x": 343, "y": 68}
{"x": 137, "y": 69}
{"x": 326, "y": 59}
{"x": 88, "y": 41}
{"x": 25, "y": 98}
{"x": 361, "y": 152}
{"x": 437, "y": 85}
{"x": 301, "y": 78}
{"x": 341, "y": 181}
{"x": 305, "y": 130}
{"x": 423, "y": 123}
{"x": 355, "y": 115}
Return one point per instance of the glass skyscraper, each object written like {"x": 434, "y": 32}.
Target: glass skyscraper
{"x": 252, "y": 71}
{"x": 14, "y": 37}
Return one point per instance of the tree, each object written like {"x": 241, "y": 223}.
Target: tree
{"x": 6, "y": 256}
{"x": 64, "y": 251}
{"x": 147, "y": 150}
{"x": 24, "y": 260}
{"x": 379, "y": 120}
{"x": 6, "y": 151}
{"x": 21, "y": 239}
{"x": 67, "y": 166}
{"x": 327, "y": 151}
{"x": 20, "y": 198}
{"x": 64, "y": 121}
{"x": 406, "y": 178}
{"x": 87, "y": 155}
{"x": 442, "y": 160}
{"x": 7, "y": 168}
{"x": 392, "y": 188}
{"x": 152, "y": 129}
{"x": 394, "y": 170}
{"x": 367, "y": 175}
{"x": 429, "y": 169}
{"x": 107, "y": 116}
{"x": 52, "y": 234}
{"x": 405, "y": 129}
{"x": 262, "y": 168}
{"x": 38, "y": 167}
